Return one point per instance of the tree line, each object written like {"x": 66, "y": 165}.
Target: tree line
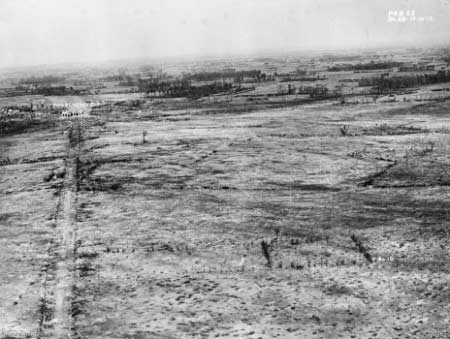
{"x": 181, "y": 88}
{"x": 382, "y": 85}
{"x": 366, "y": 66}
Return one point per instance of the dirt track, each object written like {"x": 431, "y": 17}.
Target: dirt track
{"x": 58, "y": 285}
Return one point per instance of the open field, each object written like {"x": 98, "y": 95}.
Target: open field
{"x": 165, "y": 236}
{"x": 227, "y": 216}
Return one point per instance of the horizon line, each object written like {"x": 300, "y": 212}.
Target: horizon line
{"x": 233, "y": 55}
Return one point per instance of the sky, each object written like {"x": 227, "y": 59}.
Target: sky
{"x": 35, "y": 32}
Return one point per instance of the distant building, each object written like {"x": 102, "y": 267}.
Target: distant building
{"x": 76, "y": 110}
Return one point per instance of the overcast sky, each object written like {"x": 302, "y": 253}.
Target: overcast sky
{"x": 34, "y": 32}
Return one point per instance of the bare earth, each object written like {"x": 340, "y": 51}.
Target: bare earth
{"x": 106, "y": 235}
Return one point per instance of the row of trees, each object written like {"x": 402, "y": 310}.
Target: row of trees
{"x": 292, "y": 77}
{"x": 226, "y": 74}
{"x": 382, "y": 85}
{"x": 313, "y": 91}
{"x": 42, "y": 90}
{"x": 41, "y": 80}
{"x": 57, "y": 90}
{"x": 366, "y": 66}
{"x": 181, "y": 88}
{"x": 230, "y": 75}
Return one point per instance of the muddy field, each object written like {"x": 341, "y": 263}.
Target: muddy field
{"x": 311, "y": 221}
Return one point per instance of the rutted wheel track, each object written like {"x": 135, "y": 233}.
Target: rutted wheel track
{"x": 56, "y": 297}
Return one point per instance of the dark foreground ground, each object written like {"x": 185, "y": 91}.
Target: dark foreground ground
{"x": 229, "y": 225}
